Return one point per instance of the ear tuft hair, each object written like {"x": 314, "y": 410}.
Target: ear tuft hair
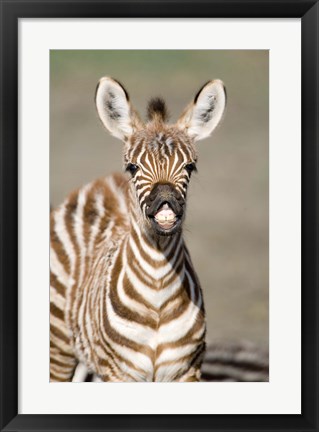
{"x": 157, "y": 109}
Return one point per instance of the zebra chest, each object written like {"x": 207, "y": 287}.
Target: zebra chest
{"x": 150, "y": 354}
{"x": 148, "y": 340}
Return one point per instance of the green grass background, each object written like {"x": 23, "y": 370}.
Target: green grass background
{"x": 227, "y": 218}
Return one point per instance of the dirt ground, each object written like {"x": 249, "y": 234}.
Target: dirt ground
{"x": 227, "y": 218}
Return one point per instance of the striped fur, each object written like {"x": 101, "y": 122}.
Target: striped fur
{"x": 223, "y": 361}
{"x": 125, "y": 300}
{"x": 241, "y": 361}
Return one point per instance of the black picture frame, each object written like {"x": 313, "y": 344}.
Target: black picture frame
{"x": 11, "y": 11}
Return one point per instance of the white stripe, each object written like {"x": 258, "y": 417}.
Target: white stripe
{"x": 149, "y": 171}
{"x": 174, "y": 164}
{"x": 174, "y": 354}
{"x": 58, "y": 270}
{"x": 95, "y": 228}
{"x": 199, "y": 333}
{"x": 54, "y": 353}
{"x": 139, "y": 359}
{"x": 156, "y": 273}
{"x": 78, "y": 227}
{"x": 179, "y": 327}
{"x": 155, "y": 297}
{"x": 142, "y": 189}
{"x": 129, "y": 329}
{"x": 118, "y": 193}
{"x": 60, "y": 325}
{"x": 130, "y": 303}
{"x": 55, "y": 369}
{"x": 63, "y": 235}
{"x": 135, "y": 374}
{"x": 153, "y": 253}
{"x": 167, "y": 373}
{"x": 61, "y": 344}
{"x": 56, "y": 298}
{"x": 113, "y": 370}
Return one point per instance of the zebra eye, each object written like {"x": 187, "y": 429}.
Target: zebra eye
{"x": 131, "y": 168}
{"x": 190, "y": 167}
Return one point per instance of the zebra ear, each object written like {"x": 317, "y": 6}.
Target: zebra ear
{"x": 202, "y": 116}
{"x": 114, "y": 108}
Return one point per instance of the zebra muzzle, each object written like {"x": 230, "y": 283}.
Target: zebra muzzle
{"x": 165, "y": 216}
{"x": 165, "y": 208}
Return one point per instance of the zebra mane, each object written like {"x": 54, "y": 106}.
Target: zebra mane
{"x": 156, "y": 108}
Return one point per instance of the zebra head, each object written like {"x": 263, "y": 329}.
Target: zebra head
{"x": 160, "y": 157}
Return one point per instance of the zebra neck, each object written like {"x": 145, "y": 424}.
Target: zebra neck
{"x": 160, "y": 259}
{"x": 154, "y": 243}
{"x": 157, "y": 258}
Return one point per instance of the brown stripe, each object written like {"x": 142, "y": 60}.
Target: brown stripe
{"x": 181, "y": 308}
{"x": 54, "y": 330}
{"x": 53, "y": 346}
{"x": 139, "y": 272}
{"x": 57, "y": 362}
{"x": 57, "y": 245}
{"x": 119, "y": 308}
{"x": 54, "y": 377}
{"x": 124, "y": 312}
{"x": 71, "y": 207}
{"x": 61, "y": 289}
{"x": 83, "y": 336}
{"x": 54, "y": 310}
{"x": 134, "y": 295}
{"x": 118, "y": 338}
{"x": 188, "y": 338}
{"x": 194, "y": 359}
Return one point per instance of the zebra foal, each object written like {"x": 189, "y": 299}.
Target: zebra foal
{"x": 125, "y": 300}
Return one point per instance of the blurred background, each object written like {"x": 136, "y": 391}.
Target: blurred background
{"x": 226, "y": 227}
